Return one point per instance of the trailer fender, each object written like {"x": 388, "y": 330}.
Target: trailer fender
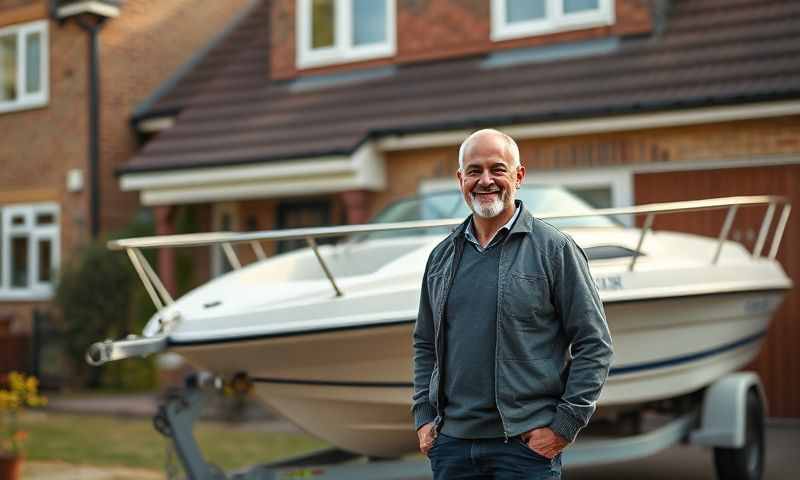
{"x": 724, "y": 411}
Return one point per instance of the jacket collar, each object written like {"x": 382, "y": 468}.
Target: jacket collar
{"x": 524, "y": 223}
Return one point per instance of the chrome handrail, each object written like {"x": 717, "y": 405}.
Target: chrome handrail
{"x": 161, "y": 297}
{"x": 214, "y": 238}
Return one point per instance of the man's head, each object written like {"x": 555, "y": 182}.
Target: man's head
{"x": 489, "y": 172}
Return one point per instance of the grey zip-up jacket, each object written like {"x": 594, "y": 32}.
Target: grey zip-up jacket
{"x": 553, "y": 349}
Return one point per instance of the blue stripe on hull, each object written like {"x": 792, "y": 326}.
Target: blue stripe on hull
{"x": 636, "y": 367}
{"x": 690, "y": 357}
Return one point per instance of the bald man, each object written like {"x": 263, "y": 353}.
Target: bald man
{"x": 511, "y": 345}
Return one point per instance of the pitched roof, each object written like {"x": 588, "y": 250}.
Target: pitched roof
{"x": 178, "y": 92}
{"x": 711, "y": 52}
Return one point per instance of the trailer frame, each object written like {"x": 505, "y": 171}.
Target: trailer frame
{"x": 719, "y": 421}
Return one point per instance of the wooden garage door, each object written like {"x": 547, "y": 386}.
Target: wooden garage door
{"x": 779, "y": 361}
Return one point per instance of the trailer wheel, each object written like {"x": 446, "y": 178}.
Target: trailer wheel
{"x": 747, "y": 462}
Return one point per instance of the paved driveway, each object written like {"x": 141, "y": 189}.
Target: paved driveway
{"x": 695, "y": 463}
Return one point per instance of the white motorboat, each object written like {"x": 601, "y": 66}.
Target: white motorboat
{"x": 324, "y": 333}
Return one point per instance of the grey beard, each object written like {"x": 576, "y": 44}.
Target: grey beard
{"x": 488, "y": 211}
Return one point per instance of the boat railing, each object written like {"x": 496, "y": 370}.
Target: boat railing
{"x": 102, "y": 352}
{"x": 161, "y": 296}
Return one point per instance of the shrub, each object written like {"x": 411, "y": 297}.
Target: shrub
{"x": 100, "y": 297}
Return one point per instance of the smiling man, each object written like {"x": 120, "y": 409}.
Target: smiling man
{"x": 511, "y": 346}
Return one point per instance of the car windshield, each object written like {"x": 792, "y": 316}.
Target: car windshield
{"x": 450, "y": 204}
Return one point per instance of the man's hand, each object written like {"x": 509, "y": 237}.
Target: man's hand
{"x": 545, "y": 442}
{"x": 426, "y": 435}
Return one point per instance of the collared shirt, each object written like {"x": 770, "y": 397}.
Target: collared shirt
{"x": 469, "y": 233}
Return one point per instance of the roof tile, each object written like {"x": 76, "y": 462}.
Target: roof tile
{"x": 712, "y": 52}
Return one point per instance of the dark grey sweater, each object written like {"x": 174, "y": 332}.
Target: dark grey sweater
{"x": 471, "y": 329}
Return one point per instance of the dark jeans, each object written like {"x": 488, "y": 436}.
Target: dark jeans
{"x": 489, "y": 459}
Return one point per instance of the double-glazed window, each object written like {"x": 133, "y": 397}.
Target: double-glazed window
{"x": 339, "y": 31}
{"x": 29, "y": 250}
{"x": 522, "y": 18}
{"x": 23, "y": 66}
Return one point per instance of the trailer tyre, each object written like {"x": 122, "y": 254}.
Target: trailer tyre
{"x": 747, "y": 462}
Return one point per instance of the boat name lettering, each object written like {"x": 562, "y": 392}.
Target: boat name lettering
{"x": 613, "y": 282}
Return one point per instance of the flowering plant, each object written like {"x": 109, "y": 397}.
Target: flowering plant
{"x": 22, "y": 392}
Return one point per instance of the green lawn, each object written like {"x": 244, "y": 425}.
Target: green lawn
{"x": 105, "y": 440}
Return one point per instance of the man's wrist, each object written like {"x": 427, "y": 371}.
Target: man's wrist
{"x": 424, "y": 414}
{"x": 565, "y": 426}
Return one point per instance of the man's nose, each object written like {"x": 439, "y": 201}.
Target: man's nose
{"x": 485, "y": 178}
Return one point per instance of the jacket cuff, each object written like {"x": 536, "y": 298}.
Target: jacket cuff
{"x": 566, "y": 426}
{"x": 423, "y": 413}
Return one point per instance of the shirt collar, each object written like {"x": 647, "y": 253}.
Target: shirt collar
{"x": 469, "y": 233}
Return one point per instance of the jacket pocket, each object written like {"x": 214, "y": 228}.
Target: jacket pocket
{"x": 529, "y": 381}
{"x": 527, "y": 296}
{"x": 529, "y": 322}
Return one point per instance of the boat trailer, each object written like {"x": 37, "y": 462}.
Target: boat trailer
{"x": 730, "y": 419}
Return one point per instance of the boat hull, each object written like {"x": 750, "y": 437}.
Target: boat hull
{"x": 351, "y": 386}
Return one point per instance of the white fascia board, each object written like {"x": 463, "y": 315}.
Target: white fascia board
{"x": 97, "y": 8}
{"x": 241, "y": 191}
{"x": 601, "y": 125}
{"x": 364, "y": 169}
{"x": 236, "y": 173}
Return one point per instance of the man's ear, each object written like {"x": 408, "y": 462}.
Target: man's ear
{"x": 520, "y": 174}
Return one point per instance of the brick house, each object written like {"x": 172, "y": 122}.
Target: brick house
{"x": 323, "y": 112}
{"x": 45, "y": 179}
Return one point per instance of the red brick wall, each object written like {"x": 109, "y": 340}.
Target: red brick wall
{"x": 141, "y": 48}
{"x": 157, "y": 36}
{"x": 15, "y": 11}
{"x": 437, "y": 29}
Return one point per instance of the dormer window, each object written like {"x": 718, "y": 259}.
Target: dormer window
{"x": 524, "y": 18}
{"x": 23, "y": 66}
{"x": 342, "y": 31}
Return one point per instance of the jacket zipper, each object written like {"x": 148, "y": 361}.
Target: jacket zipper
{"x": 438, "y": 420}
{"x": 497, "y": 340}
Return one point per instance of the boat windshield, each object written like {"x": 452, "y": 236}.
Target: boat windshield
{"x": 450, "y": 204}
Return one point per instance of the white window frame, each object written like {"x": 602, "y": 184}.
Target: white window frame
{"x": 618, "y": 180}
{"x": 554, "y": 21}
{"x": 342, "y": 50}
{"x": 26, "y": 100}
{"x": 35, "y": 290}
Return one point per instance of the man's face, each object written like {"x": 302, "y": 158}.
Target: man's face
{"x": 487, "y": 179}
